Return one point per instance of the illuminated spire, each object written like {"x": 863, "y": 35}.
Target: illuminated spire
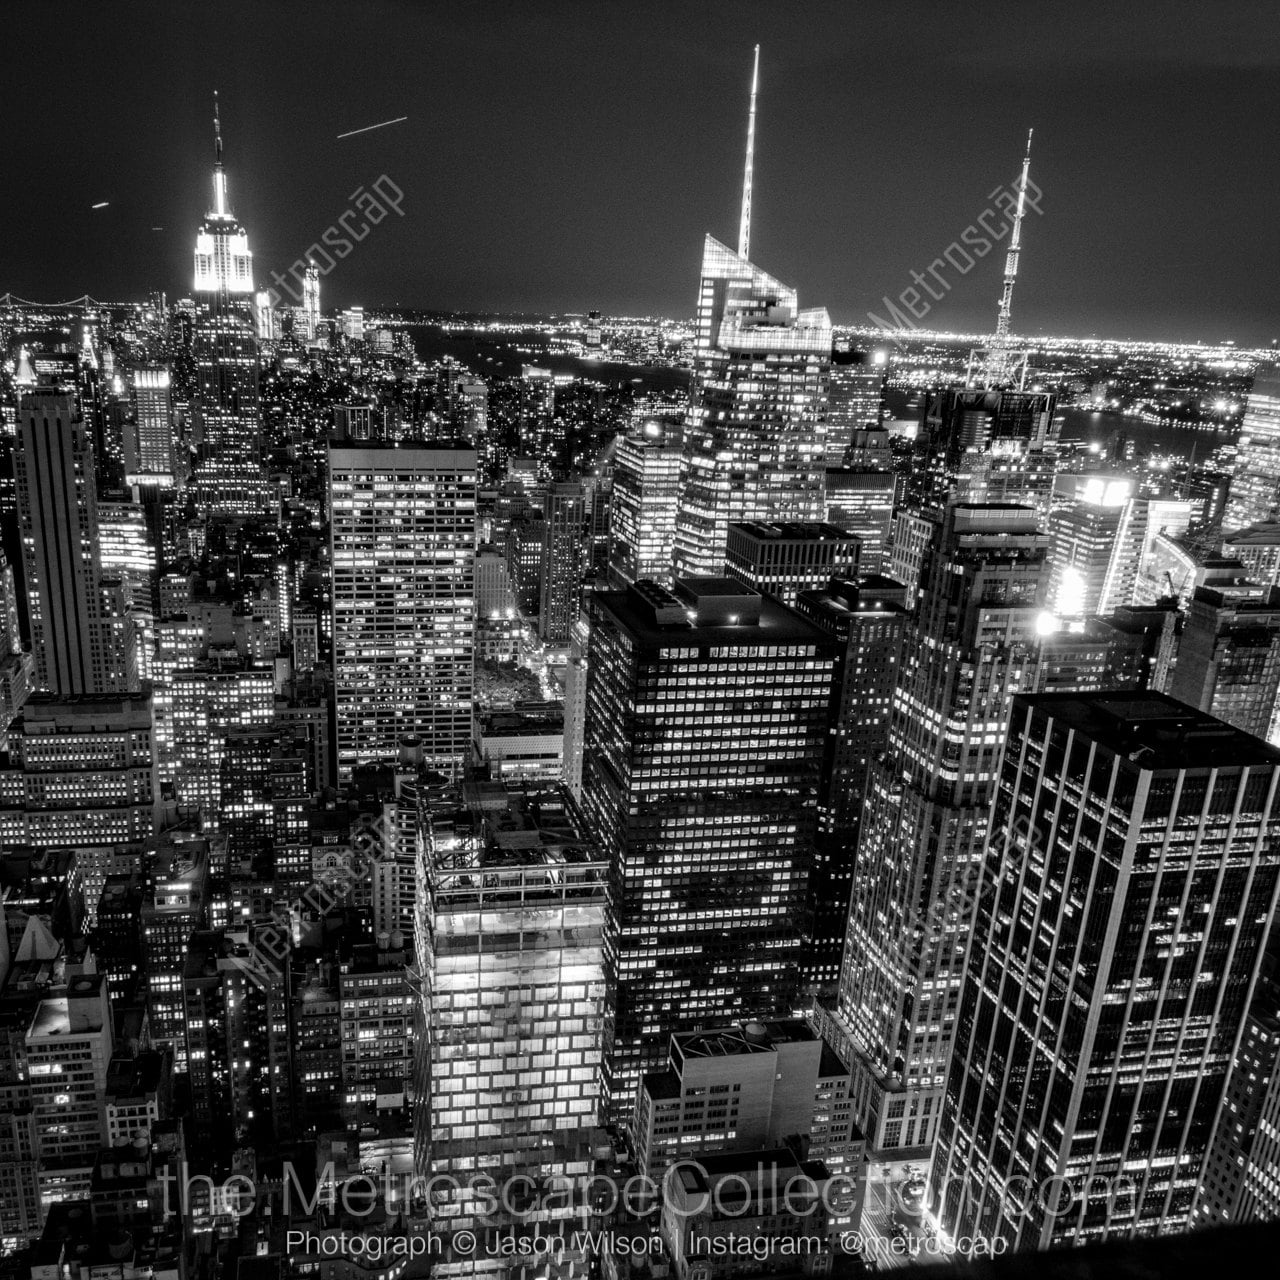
{"x": 998, "y": 357}
{"x": 219, "y": 175}
{"x": 744, "y": 227}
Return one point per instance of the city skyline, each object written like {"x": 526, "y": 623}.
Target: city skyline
{"x": 628, "y": 149}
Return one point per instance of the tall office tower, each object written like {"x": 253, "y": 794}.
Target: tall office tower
{"x": 524, "y": 544}
{"x": 17, "y": 668}
{"x": 1239, "y": 1181}
{"x": 310, "y": 311}
{"x": 1118, "y": 923}
{"x": 511, "y": 955}
{"x": 68, "y": 1049}
{"x": 646, "y": 492}
{"x": 562, "y": 561}
{"x": 1255, "y": 486}
{"x": 748, "y": 1087}
{"x": 855, "y": 398}
{"x": 754, "y": 443}
{"x": 861, "y": 501}
{"x": 1229, "y": 658}
{"x": 575, "y": 705}
{"x": 82, "y": 777}
{"x": 924, "y": 821}
{"x": 868, "y": 619}
{"x": 228, "y": 479}
{"x": 785, "y": 559}
{"x": 706, "y": 715}
{"x": 58, "y": 522}
{"x": 591, "y": 331}
{"x": 148, "y": 440}
{"x": 994, "y": 445}
{"x": 1086, "y": 538}
{"x": 402, "y": 545}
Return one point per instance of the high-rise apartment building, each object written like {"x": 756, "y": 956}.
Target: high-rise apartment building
{"x": 706, "y": 714}
{"x": 924, "y": 820}
{"x": 755, "y": 442}
{"x": 1255, "y": 486}
{"x": 402, "y": 541}
{"x": 1118, "y": 920}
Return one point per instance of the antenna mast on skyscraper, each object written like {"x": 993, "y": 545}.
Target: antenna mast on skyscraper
{"x": 744, "y": 227}
{"x": 998, "y": 357}
{"x": 219, "y": 177}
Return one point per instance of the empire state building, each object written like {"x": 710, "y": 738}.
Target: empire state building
{"x": 229, "y": 478}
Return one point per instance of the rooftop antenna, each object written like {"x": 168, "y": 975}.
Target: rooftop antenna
{"x": 744, "y": 227}
{"x": 998, "y": 357}
{"x": 219, "y": 177}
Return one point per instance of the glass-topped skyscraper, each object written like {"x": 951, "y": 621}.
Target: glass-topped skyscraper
{"x": 755, "y": 439}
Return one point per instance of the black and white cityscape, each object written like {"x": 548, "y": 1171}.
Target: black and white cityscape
{"x": 541, "y": 744}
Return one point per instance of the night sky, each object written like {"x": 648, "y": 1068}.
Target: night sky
{"x": 564, "y": 156}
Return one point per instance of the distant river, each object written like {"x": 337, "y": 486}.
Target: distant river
{"x": 503, "y": 355}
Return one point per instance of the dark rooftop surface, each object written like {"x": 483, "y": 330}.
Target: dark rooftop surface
{"x": 1152, "y": 729}
{"x": 777, "y": 624}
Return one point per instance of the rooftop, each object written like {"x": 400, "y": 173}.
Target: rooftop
{"x": 1153, "y": 730}
{"x": 705, "y": 611}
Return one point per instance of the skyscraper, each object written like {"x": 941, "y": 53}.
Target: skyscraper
{"x": 869, "y": 619}
{"x": 228, "y": 479}
{"x": 402, "y": 543}
{"x": 855, "y": 398}
{"x": 58, "y": 519}
{"x": 705, "y": 718}
{"x": 924, "y": 824}
{"x": 1120, "y": 914}
{"x": 1255, "y": 486}
{"x": 754, "y": 445}
{"x": 1229, "y": 657}
{"x": 509, "y": 1080}
{"x": 148, "y": 439}
{"x": 646, "y": 492}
